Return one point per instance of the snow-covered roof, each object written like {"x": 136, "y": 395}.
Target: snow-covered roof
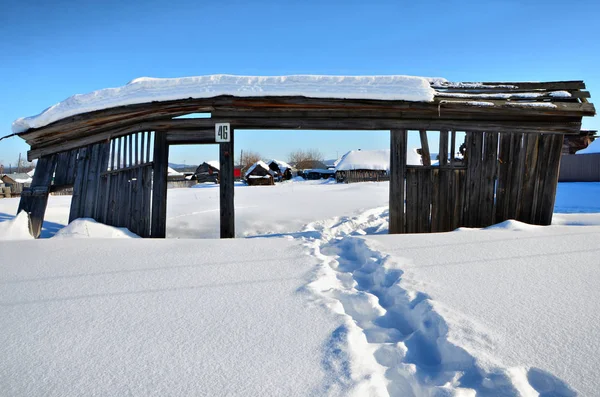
{"x": 147, "y": 89}
{"x": 259, "y": 163}
{"x": 373, "y": 160}
{"x": 331, "y": 162}
{"x": 281, "y": 164}
{"x": 172, "y": 172}
{"x": 21, "y": 177}
{"x": 214, "y": 163}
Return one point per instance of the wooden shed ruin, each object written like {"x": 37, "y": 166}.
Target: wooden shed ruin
{"x": 112, "y": 145}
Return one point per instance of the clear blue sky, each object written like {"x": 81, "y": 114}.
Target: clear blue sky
{"x": 52, "y": 50}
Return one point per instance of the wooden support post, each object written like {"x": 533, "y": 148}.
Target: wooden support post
{"x": 398, "y": 147}
{"x": 159, "y": 189}
{"x": 226, "y": 184}
{"x": 35, "y": 199}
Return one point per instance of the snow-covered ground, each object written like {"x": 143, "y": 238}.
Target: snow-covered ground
{"x": 324, "y": 302}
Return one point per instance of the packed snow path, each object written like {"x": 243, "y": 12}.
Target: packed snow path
{"x": 507, "y": 318}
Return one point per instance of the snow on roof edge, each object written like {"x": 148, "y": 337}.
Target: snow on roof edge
{"x": 147, "y": 89}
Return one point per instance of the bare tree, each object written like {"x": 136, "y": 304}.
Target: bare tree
{"x": 248, "y": 158}
{"x": 306, "y": 159}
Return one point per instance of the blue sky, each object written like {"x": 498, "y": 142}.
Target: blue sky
{"x": 52, "y": 50}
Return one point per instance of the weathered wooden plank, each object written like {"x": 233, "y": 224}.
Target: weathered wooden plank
{"x": 425, "y": 154}
{"x": 149, "y": 140}
{"x": 146, "y": 208}
{"x": 79, "y": 185}
{"x": 567, "y": 125}
{"x": 530, "y": 143}
{"x": 474, "y": 169}
{"x": 453, "y": 148}
{"x": 62, "y": 169}
{"x": 412, "y": 197}
{"x": 182, "y": 137}
{"x": 88, "y": 207}
{"x": 458, "y": 182}
{"x": 130, "y": 149}
{"x": 443, "y": 152}
{"x": 503, "y": 186}
{"x": 424, "y": 200}
{"x": 488, "y": 181}
{"x": 547, "y": 195}
{"x": 159, "y": 189}
{"x": 398, "y": 148}
{"x": 226, "y": 188}
{"x": 35, "y": 199}
{"x": 516, "y": 179}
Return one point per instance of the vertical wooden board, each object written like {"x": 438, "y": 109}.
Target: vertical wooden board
{"x": 146, "y": 208}
{"x": 447, "y": 199}
{"x": 136, "y": 155}
{"x": 547, "y": 194}
{"x": 425, "y": 155}
{"x": 79, "y": 184}
{"x": 113, "y": 148}
{"x": 443, "y": 152}
{"x": 459, "y": 178}
{"x": 72, "y": 166}
{"x": 503, "y": 178}
{"x": 488, "y": 181}
{"x": 130, "y": 149}
{"x": 93, "y": 174}
{"x": 148, "y": 142}
{"x": 452, "y": 147}
{"x": 142, "y": 145}
{"x": 412, "y": 192}
{"x": 530, "y": 143}
{"x": 516, "y": 166}
{"x": 437, "y": 203}
{"x": 159, "y": 188}
{"x": 474, "y": 168}
{"x": 62, "y": 169}
{"x": 398, "y": 147}
{"x": 111, "y": 209}
{"x": 227, "y": 209}
{"x": 101, "y": 198}
{"x": 136, "y": 200}
{"x": 424, "y": 200}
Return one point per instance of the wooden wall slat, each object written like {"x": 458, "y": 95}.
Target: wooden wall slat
{"x": 412, "y": 186}
{"x": 474, "y": 170}
{"x": 530, "y": 143}
{"x": 398, "y": 148}
{"x": 424, "y": 200}
{"x": 548, "y": 192}
{"x": 488, "y": 181}
{"x": 159, "y": 189}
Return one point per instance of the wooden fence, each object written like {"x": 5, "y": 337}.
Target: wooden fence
{"x": 353, "y": 176}
{"x": 580, "y": 168}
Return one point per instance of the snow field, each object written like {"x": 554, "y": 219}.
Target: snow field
{"x": 507, "y": 311}
{"x": 165, "y": 318}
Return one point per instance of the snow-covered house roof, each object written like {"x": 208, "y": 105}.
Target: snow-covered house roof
{"x": 281, "y": 164}
{"x": 147, "y": 89}
{"x": 331, "y": 163}
{"x": 214, "y": 163}
{"x": 172, "y": 172}
{"x": 260, "y": 164}
{"x": 20, "y": 177}
{"x": 373, "y": 160}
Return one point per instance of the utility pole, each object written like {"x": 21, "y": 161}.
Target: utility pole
{"x": 19, "y": 164}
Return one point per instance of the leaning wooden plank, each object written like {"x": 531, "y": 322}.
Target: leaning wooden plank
{"x": 503, "y": 186}
{"x": 425, "y": 155}
{"x": 473, "y": 154}
{"x": 159, "y": 190}
{"x": 398, "y": 147}
{"x": 38, "y": 200}
{"x": 412, "y": 197}
{"x": 93, "y": 173}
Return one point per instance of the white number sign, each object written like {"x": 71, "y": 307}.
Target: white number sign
{"x": 222, "y": 132}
